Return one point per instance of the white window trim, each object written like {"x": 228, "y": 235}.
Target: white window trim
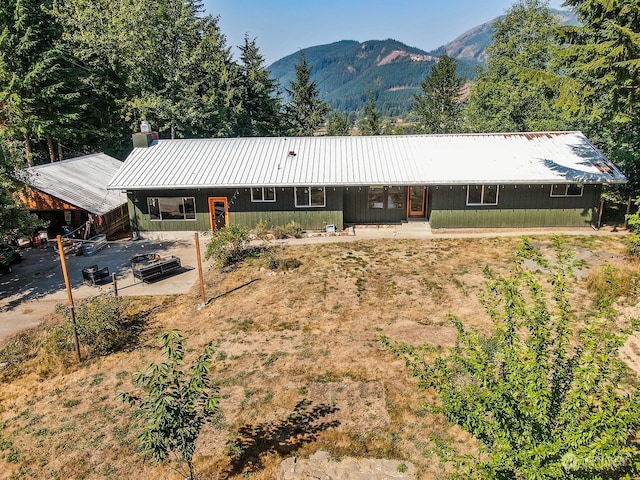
{"x": 324, "y": 198}
{"x": 566, "y": 190}
{"x": 482, "y": 202}
{"x": 195, "y": 212}
{"x": 263, "y": 190}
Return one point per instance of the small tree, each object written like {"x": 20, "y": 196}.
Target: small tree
{"x": 545, "y": 400}
{"x": 338, "y": 124}
{"x": 305, "y": 112}
{"x": 175, "y": 404}
{"x": 371, "y": 123}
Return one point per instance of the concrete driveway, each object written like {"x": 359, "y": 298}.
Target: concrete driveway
{"x": 36, "y": 285}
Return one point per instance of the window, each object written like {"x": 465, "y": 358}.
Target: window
{"x": 309, "y": 196}
{"x": 482, "y": 194}
{"x": 567, "y": 190}
{"x": 172, "y": 208}
{"x": 389, "y": 198}
{"x": 263, "y": 194}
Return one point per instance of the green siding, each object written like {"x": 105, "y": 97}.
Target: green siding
{"x": 356, "y": 209}
{"x": 242, "y": 211}
{"x": 518, "y": 206}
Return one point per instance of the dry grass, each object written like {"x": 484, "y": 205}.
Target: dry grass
{"x": 298, "y": 361}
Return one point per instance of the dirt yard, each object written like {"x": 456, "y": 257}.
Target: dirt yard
{"x": 298, "y": 360}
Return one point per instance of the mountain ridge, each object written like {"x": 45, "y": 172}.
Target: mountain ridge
{"x": 345, "y": 71}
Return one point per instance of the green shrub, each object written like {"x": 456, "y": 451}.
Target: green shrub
{"x": 290, "y": 230}
{"x": 261, "y": 231}
{"x": 633, "y": 241}
{"x": 20, "y": 349}
{"x": 274, "y": 262}
{"x": 227, "y": 246}
{"x": 633, "y": 244}
{"x": 100, "y": 328}
{"x": 293, "y": 229}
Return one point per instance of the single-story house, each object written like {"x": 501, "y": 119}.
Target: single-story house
{"x": 71, "y": 192}
{"x": 452, "y": 181}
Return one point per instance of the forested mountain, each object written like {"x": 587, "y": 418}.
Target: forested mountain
{"x": 347, "y": 70}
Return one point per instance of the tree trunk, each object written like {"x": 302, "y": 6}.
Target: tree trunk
{"x": 27, "y": 150}
{"x": 52, "y": 152}
{"x": 60, "y": 154}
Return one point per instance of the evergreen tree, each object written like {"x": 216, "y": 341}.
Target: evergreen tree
{"x": 159, "y": 60}
{"x": 600, "y": 63}
{"x": 39, "y": 84}
{"x": 183, "y": 92}
{"x": 259, "y": 109}
{"x": 439, "y": 107}
{"x": 305, "y": 112}
{"x": 338, "y": 124}
{"x": 505, "y": 97}
{"x": 112, "y": 44}
{"x": 371, "y": 122}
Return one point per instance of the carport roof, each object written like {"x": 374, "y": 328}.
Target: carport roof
{"x": 80, "y": 181}
{"x": 544, "y": 157}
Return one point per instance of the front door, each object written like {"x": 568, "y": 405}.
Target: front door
{"x": 417, "y": 201}
{"x": 219, "y": 212}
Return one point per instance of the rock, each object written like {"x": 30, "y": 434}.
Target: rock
{"x": 320, "y": 466}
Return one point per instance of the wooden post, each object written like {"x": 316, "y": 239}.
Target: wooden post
{"x": 115, "y": 284}
{"x": 626, "y": 217}
{"x": 600, "y": 213}
{"x": 200, "y": 268}
{"x": 65, "y": 273}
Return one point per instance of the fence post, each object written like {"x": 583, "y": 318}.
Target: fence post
{"x": 65, "y": 273}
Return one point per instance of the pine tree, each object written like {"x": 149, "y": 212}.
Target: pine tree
{"x": 438, "y": 106}
{"x": 259, "y": 109}
{"x": 305, "y": 112}
{"x": 602, "y": 55}
{"x": 371, "y": 122}
{"x": 15, "y": 218}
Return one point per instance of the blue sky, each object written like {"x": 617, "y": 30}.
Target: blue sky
{"x": 283, "y": 27}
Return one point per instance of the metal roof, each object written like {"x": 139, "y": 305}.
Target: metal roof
{"x": 80, "y": 181}
{"x": 551, "y": 157}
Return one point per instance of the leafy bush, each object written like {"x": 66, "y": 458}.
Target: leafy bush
{"x": 290, "y": 230}
{"x": 262, "y": 230}
{"x": 101, "y": 329}
{"x": 633, "y": 241}
{"x": 227, "y": 246}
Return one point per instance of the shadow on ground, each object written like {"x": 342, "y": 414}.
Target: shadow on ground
{"x": 283, "y": 437}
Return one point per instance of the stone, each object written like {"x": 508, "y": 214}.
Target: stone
{"x": 320, "y": 466}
